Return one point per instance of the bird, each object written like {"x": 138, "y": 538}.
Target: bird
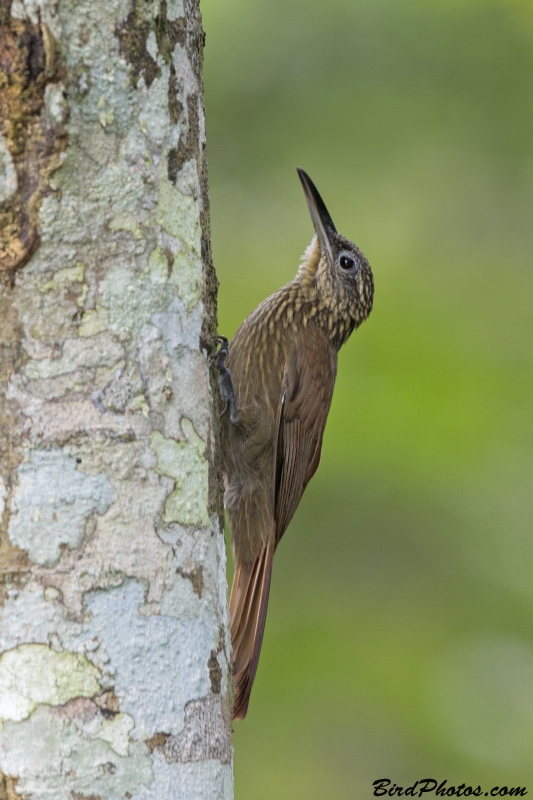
{"x": 276, "y": 377}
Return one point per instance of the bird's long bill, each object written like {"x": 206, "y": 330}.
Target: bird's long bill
{"x": 319, "y": 214}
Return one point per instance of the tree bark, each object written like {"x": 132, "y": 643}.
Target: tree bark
{"x": 115, "y": 677}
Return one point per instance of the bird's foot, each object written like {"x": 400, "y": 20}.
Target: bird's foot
{"x": 225, "y": 383}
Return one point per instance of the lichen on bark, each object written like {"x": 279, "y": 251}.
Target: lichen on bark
{"x": 32, "y": 130}
{"x": 111, "y": 547}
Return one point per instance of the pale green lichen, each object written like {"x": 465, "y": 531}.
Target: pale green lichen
{"x": 33, "y": 674}
{"x": 131, "y": 300}
{"x": 185, "y": 462}
{"x": 187, "y": 279}
{"x": 158, "y": 266}
{"x": 65, "y": 759}
{"x": 94, "y": 321}
{"x": 116, "y": 732}
{"x": 106, "y": 118}
{"x": 101, "y": 351}
{"x": 83, "y": 296}
{"x": 55, "y": 103}
{"x": 139, "y": 403}
{"x": 175, "y": 9}
{"x": 62, "y": 276}
{"x": 126, "y": 222}
{"x": 179, "y": 215}
{"x": 180, "y": 600}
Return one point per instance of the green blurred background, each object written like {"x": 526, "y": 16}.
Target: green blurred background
{"x": 399, "y": 641}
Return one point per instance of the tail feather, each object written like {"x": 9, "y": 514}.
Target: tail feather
{"x": 245, "y": 585}
{"x": 248, "y": 607}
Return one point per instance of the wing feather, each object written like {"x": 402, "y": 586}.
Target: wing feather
{"x": 306, "y": 398}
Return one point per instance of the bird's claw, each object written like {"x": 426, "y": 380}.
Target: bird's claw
{"x": 225, "y": 383}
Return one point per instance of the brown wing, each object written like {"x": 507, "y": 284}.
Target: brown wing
{"x": 306, "y": 397}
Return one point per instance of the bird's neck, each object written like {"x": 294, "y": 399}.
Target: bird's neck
{"x": 319, "y": 307}
{"x": 326, "y": 305}
{"x": 337, "y": 327}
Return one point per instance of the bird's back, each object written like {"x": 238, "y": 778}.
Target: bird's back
{"x": 274, "y": 348}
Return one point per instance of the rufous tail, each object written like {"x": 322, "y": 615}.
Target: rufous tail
{"x": 248, "y": 606}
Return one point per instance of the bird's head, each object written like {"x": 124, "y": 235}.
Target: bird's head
{"x": 335, "y": 266}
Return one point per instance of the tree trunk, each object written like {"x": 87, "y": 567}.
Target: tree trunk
{"x": 114, "y": 652}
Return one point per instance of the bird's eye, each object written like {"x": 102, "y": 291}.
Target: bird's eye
{"x": 346, "y": 262}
